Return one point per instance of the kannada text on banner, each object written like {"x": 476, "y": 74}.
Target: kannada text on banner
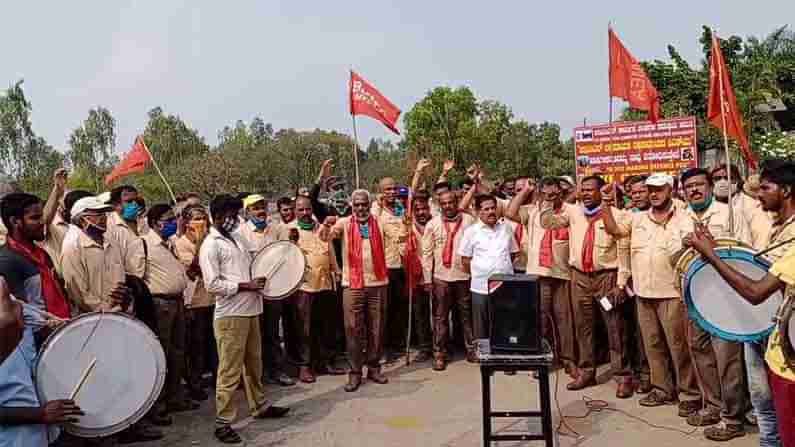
{"x": 620, "y": 150}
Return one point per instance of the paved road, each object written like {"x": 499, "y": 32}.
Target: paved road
{"x": 420, "y": 407}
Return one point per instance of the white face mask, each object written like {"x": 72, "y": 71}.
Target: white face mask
{"x": 722, "y": 189}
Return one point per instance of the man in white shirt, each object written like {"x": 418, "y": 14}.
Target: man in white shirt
{"x": 487, "y": 248}
{"x": 225, "y": 263}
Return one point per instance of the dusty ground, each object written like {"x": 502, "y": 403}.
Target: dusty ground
{"x": 420, "y": 407}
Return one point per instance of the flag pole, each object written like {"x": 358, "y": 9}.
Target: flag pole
{"x": 355, "y": 150}
{"x": 157, "y": 168}
{"x": 716, "y": 47}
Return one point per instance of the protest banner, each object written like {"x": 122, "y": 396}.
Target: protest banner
{"x": 623, "y": 149}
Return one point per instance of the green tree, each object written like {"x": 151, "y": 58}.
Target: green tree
{"x": 93, "y": 144}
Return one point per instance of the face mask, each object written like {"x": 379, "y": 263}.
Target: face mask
{"x": 722, "y": 189}
{"x": 340, "y": 202}
{"x": 399, "y": 209}
{"x": 95, "y": 231}
{"x": 702, "y": 206}
{"x": 169, "y": 229}
{"x": 259, "y": 224}
{"x": 129, "y": 211}
{"x": 230, "y": 224}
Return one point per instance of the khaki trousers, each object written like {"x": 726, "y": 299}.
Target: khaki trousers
{"x": 720, "y": 368}
{"x": 663, "y": 324}
{"x": 587, "y": 290}
{"x": 446, "y": 296}
{"x": 239, "y": 354}
{"x": 556, "y": 308}
{"x": 365, "y": 321}
{"x": 172, "y": 334}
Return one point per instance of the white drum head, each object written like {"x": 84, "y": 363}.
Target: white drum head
{"x": 282, "y": 264}
{"x": 719, "y": 309}
{"x": 126, "y": 381}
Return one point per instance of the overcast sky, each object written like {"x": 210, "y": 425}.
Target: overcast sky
{"x": 214, "y": 62}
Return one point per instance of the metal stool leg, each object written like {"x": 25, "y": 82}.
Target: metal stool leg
{"x": 546, "y": 405}
{"x": 485, "y": 375}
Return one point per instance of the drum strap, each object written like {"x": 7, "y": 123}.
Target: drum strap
{"x": 769, "y": 249}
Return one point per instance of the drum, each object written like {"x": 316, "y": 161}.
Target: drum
{"x": 111, "y": 363}
{"x": 715, "y": 305}
{"x": 283, "y": 264}
{"x": 786, "y": 329}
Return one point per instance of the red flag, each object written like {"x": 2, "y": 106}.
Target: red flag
{"x": 720, "y": 87}
{"x": 366, "y": 100}
{"x": 135, "y": 162}
{"x": 411, "y": 262}
{"x": 628, "y": 80}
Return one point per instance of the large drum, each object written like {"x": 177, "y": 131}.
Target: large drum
{"x": 111, "y": 363}
{"x": 283, "y": 264}
{"x": 715, "y": 305}
{"x": 786, "y": 329}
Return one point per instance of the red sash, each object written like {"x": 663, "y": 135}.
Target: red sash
{"x": 355, "y": 260}
{"x": 447, "y": 253}
{"x": 51, "y": 290}
{"x": 545, "y": 256}
{"x": 588, "y": 243}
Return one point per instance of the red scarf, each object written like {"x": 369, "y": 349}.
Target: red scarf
{"x": 545, "y": 256}
{"x": 51, "y": 290}
{"x": 355, "y": 260}
{"x": 588, "y": 243}
{"x": 447, "y": 253}
{"x": 411, "y": 260}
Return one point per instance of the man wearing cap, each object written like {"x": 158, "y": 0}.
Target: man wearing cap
{"x": 123, "y": 229}
{"x": 718, "y": 363}
{"x": 662, "y": 315}
{"x": 259, "y": 232}
{"x": 596, "y": 268}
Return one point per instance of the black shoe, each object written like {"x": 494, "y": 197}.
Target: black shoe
{"x": 273, "y": 412}
{"x": 280, "y": 379}
{"x": 354, "y": 382}
{"x": 139, "y": 433}
{"x": 227, "y": 435}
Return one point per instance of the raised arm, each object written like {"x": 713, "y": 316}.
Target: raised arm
{"x": 59, "y": 180}
{"x": 512, "y": 210}
{"x": 446, "y": 168}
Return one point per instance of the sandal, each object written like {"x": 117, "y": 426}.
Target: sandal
{"x": 227, "y": 435}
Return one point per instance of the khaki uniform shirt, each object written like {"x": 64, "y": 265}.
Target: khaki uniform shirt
{"x": 165, "y": 274}
{"x": 395, "y": 235}
{"x": 321, "y": 260}
{"x": 433, "y": 241}
{"x": 128, "y": 243}
{"x": 91, "y": 271}
{"x": 716, "y": 219}
{"x": 530, "y": 216}
{"x": 3, "y": 233}
{"x": 759, "y": 222}
{"x": 257, "y": 240}
{"x": 52, "y": 244}
{"x": 605, "y": 251}
{"x": 186, "y": 251}
{"x": 652, "y": 270}
{"x": 341, "y": 230}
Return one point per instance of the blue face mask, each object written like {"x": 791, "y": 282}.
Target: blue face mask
{"x": 169, "y": 229}
{"x": 129, "y": 211}
{"x": 259, "y": 224}
{"x": 399, "y": 209}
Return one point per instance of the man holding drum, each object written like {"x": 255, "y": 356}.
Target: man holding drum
{"x": 718, "y": 362}
{"x": 24, "y": 420}
{"x": 225, "y": 263}
{"x": 777, "y": 195}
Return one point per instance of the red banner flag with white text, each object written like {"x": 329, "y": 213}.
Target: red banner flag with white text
{"x": 135, "y": 162}
{"x": 720, "y": 88}
{"x": 367, "y": 100}
{"x": 629, "y": 81}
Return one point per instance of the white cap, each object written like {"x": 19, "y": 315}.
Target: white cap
{"x": 567, "y": 179}
{"x": 660, "y": 179}
{"x": 104, "y": 197}
{"x": 89, "y": 204}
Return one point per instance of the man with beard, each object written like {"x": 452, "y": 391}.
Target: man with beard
{"x": 312, "y": 306}
{"x": 390, "y": 212}
{"x": 364, "y": 279}
{"x": 487, "y": 248}
{"x": 258, "y": 232}
{"x": 547, "y": 254}
{"x": 745, "y": 206}
{"x": 777, "y": 195}
{"x": 662, "y": 315}
{"x": 24, "y": 419}
{"x": 421, "y": 214}
{"x": 444, "y": 275}
{"x": 595, "y": 267}
{"x": 28, "y": 269}
{"x": 718, "y": 362}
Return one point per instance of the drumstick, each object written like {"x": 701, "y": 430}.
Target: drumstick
{"x": 83, "y": 379}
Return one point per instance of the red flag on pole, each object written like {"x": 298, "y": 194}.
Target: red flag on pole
{"x": 366, "y": 100}
{"x": 628, "y": 80}
{"x": 135, "y": 162}
{"x": 722, "y": 109}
